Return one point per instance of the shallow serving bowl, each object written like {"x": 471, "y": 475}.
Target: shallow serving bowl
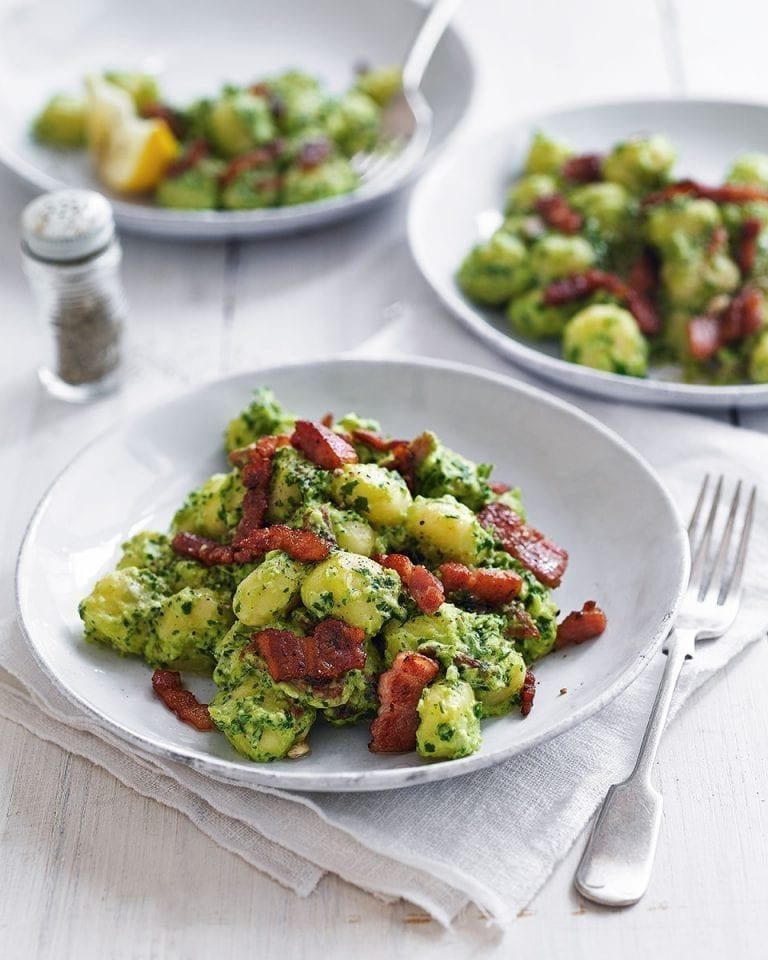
{"x": 47, "y": 46}
{"x": 581, "y": 484}
{"x": 460, "y": 199}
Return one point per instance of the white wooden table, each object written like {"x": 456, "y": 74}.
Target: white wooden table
{"x": 89, "y": 869}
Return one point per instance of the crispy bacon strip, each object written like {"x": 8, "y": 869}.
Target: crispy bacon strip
{"x": 581, "y": 285}
{"x": 255, "y": 463}
{"x": 545, "y": 559}
{"x": 407, "y": 455}
{"x": 492, "y": 587}
{"x": 557, "y": 212}
{"x": 747, "y": 247}
{"x": 322, "y": 446}
{"x": 260, "y": 157}
{"x": 314, "y": 152}
{"x": 727, "y": 193}
{"x": 303, "y": 545}
{"x": 703, "y": 336}
{"x": 333, "y": 648}
{"x": 190, "y": 158}
{"x": 520, "y": 624}
{"x": 743, "y": 316}
{"x": 203, "y": 549}
{"x": 527, "y": 693}
{"x": 327, "y": 420}
{"x": 161, "y": 111}
{"x": 583, "y": 168}
{"x": 375, "y": 440}
{"x": 498, "y": 487}
{"x": 394, "y": 728}
{"x": 167, "y": 685}
{"x": 423, "y": 586}
{"x": 581, "y": 625}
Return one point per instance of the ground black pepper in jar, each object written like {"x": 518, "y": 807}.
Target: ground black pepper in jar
{"x": 72, "y": 259}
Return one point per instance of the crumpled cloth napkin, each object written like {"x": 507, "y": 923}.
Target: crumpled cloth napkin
{"x": 490, "y": 838}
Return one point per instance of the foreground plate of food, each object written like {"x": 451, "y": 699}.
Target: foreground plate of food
{"x": 618, "y": 249}
{"x": 324, "y": 572}
{"x": 223, "y": 143}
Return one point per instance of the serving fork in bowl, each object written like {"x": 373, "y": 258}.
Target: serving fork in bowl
{"x": 616, "y": 865}
{"x": 406, "y": 124}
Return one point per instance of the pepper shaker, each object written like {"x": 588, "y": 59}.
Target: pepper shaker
{"x": 71, "y": 257}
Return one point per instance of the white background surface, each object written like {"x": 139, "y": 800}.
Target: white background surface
{"x": 87, "y": 867}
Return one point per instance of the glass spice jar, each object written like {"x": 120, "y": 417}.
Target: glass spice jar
{"x": 71, "y": 257}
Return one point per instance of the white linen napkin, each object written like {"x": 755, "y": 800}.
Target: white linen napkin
{"x": 490, "y": 838}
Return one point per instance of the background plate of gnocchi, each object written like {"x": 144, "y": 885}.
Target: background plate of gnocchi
{"x": 581, "y": 484}
{"x": 465, "y": 194}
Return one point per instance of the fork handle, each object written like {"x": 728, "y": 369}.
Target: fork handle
{"x": 429, "y": 34}
{"x": 616, "y": 865}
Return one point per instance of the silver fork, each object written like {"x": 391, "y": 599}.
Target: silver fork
{"x": 616, "y": 865}
{"x": 406, "y": 125}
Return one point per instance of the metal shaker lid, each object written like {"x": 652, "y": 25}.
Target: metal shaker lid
{"x": 67, "y": 225}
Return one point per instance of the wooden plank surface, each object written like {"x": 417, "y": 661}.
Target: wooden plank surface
{"x": 88, "y": 868}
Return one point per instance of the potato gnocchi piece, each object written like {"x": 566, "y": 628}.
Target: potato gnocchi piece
{"x": 188, "y": 625}
{"x": 444, "y": 529}
{"x": 212, "y": 510}
{"x": 378, "y": 494}
{"x": 122, "y": 609}
{"x": 354, "y": 589}
{"x": 449, "y": 725}
{"x": 269, "y": 590}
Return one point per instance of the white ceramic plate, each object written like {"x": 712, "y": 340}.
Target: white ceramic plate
{"x": 582, "y": 485}
{"x": 49, "y": 46}
{"x": 458, "y": 202}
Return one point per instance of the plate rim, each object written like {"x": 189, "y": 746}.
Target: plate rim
{"x": 527, "y": 356}
{"x": 204, "y": 225}
{"x": 265, "y": 775}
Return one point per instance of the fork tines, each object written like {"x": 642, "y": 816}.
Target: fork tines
{"x": 716, "y": 569}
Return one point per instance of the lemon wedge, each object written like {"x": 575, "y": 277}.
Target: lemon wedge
{"x": 130, "y": 154}
{"x": 137, "y": 155}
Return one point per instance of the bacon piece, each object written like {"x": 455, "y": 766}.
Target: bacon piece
{"x": 161, "y": 111}
{"x": 394, "y": 728}
{"x": 313, "y": 153}
{"x": 492, "y": 587}
{"x": 743, "y": 316}
{"x": 375, "y": 440}
{"x": 190, "y": 158}
{"x": 255, "y": 463}
{"x": 682, "y": 188}
{"x": 733, "y": 193}
{"x": 498, "y": 487}
{"x": 727, "y": 193}
{"x": 260, "y": 157}
{"x": 327, "y": 420}
{"x": 322, "y": 446}
{"x": 583, "y": 168}
{"x": 203, "y": 549}
{"x": 644, "y": 274}
{"x": 263, "y": 447}
{"x": 527, "y": 693}
{"x": 580, "y": 285}
{"x": 303, "y": 545}
{"x": 167, "y": 685}
{"x": 641, "y": 293}
{"x": 581, "y": 625}
{"x": 558, "y": 214}
{"x": 703, "y": 336}
{"x": 423, "y": 586}
{"x": 333, "y": 648}
{"x": 545, "y": 559}
{"x": 747, "y": 248}
{"x": 520, "y": 624}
